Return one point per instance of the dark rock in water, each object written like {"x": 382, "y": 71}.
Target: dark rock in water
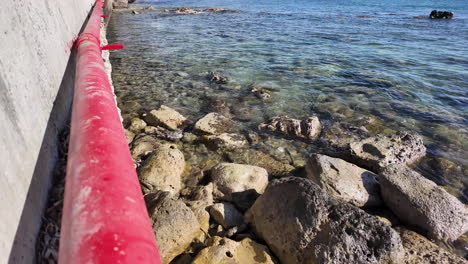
{"x": 420, "y": 202}
{"x": 218, "y": 78}
{"x": 164, "y": 133}
{"x": 302, "y": 224}
{"x": 441, "y": 15}
{"x": 308, "y": 129}
{"x": 261, "y": 93}
{"x": 216, "y": 10}
{"x": 187, "y": 10}
{"x": 378, "y": 152}
{"x": 258, "y": 158}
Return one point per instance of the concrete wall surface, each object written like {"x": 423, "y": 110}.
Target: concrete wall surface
{"x": 36, "y": 37}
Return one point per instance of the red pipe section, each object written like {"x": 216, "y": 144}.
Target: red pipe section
{"x": 105, "y": 219}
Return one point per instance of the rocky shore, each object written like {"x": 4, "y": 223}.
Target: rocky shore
{"x": 217, "y": 194}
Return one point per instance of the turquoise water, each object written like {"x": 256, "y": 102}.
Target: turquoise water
{"x": 341, "y": 60}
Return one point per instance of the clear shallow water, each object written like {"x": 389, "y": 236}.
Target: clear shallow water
{"x": 342, "y": 60}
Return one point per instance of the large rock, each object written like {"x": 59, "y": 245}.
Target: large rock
{"x": 226, "y": 215}
{"x": 259, "y": 158}
{"x": 238, "y": 183}
{"x": 187, "y": 11}
{"x": 309, "y": 128}
{"x": 344, "y": 180}
{"x": 441, "y": 15}
{"x": 136, "y": 125}
{"x": 215, "y": 124}
{"x": 142, "y": 146}
{"x": 227, "y": 251}
{"x": 166, "y": 117}
{"x": 378, "y": 152}
{"x": 303, "y": 224}
{"x": 419, "y": 250}
{"x": 420, "y": 202}
{"x": 162, "y": 170}
{"x": 199, "y": 198}
{"x": 174, "y": 224}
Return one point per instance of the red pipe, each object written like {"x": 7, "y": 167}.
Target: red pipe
{"x": 104, "y": 215}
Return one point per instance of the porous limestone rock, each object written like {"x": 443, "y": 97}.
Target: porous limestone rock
{"x": 420, "y": 202}
{"x": 380, "y": 151}
{"x": 226, "y": 215}
{"x": 344, "y": 180}
{"x": 214, "y": 124}
{"x": 166, "y": 117}
{"x": 162, "y": 170}
{"x": 174, "y": 224}
{"x": 136, "y": 125}
{"x": 238, "y": 183}
{"x": 303, "y": 224}
{"x": 227, "y": 251}
{"x": 309, "y": 128}
{"x": 226, "y": 140}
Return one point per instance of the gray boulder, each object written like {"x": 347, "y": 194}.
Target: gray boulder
{"x": 303, "y": 224}
{"x": 420, "y": 202}
{"x": 174, "y": 224}
{"x": 309, "y": 128}
{"x": 166, "y": 117}
{"x": 344, "y": 180}
{"x": 378, "y": 152}
{"x": 162, "y": 170}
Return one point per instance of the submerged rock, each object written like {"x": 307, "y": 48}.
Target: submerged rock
{"x": 215, "y": 124}
{"x": 164, "y": 133}
{"x": 226, "y": 140}
{"x": 378, "y": 152}
{"x": 261, "y": 93}
{"x": 166, "y": 117}
{"x": 344, "y": 180}
{"x": 419, "y": 250}
{"x": 420, "y": 202}
{"x": 440, "y": 15}
{"x": 187, "y": 11}
{"x": 162, "y": 170}
{"x": 174, "y": 224}
{"x": 308, "y": 129}
{"x": 303, "y": 224}
{"x": 216, "y": 10}
{"x": 239, "y": 183}
{"x": 217, "y": 78}
{"x": 261, "y": 159}
{"x": 224, "y": 251}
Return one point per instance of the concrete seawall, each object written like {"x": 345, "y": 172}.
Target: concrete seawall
{"x": 36, "y": 86}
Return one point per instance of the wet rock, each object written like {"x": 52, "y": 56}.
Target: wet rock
{"x": 238, "y": 183}
{"x": 136, "y": 125}
{"x": 189, "y": 138}
{"x": 309, "y": 128}
{"x": 317, "y": 228}
{"x": 129, "y": 135}
{"x": 226, "y": 140}
{"x": 344, "y": 180}
{"x": 118, "y": 4}
{"x": 164, "y": 133}
{"x": 216, "y": 10}
{"x": 142, "y": 146}
{"x": 261, "y": 93}
{"x": 226, "y": 215}
{"x": 337, "y": 138}
{"x": 174, "y": 224}
{"x": 419, "y": 250}
{"x": 420, "y": 202}
{"x": 135, "y": 12}
{"x": 217, "y": 78}
{"x": 166, "y": 117}
{"x": 162, "y": 170}
{"x": 218, "y": 106}
{"x": 182, "y": 74}
{"x": 383, "y": 150}
{"x": 258, "y": 158}
{"x": 214, "y": 124}
{"x": 187, "y": 11}
{"x": 224, "y": 250}
{"x": 440, "y": 15}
